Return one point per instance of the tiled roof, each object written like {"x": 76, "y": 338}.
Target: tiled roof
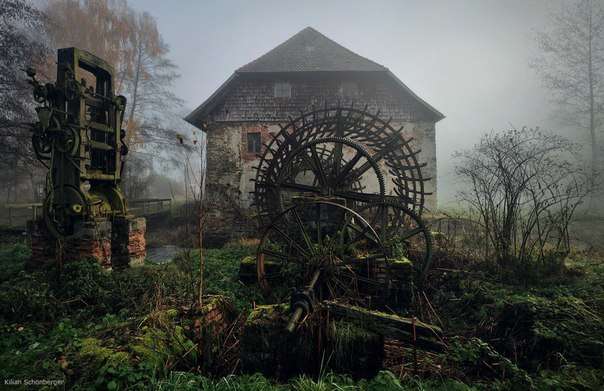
{"x": 310, "y": 51}
{"x": 307, "y": 51}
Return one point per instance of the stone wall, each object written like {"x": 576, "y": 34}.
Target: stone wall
{"x": 225, "y": 166}
{"x": 128, "y": 245}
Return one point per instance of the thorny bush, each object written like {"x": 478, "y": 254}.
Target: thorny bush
{"x": 525, "y": 186}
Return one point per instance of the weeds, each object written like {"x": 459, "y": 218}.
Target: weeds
{"x": 128, "y": 329}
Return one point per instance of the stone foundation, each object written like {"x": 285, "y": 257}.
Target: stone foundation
{"x": 128, "y": 241}
{"x": 268, "y": 348}
{"x": 42, "y": 244}
{"x": 213, "y": 332}
{"x": 224, "y": 219}
{"x": 217, "y": 314}
{"x": 318, "y": 343}
{"x": 93, "y": 241}
{"x": 113, "y": 244}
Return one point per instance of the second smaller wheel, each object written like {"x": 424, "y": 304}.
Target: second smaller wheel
{"x": 325, "y": 237}
{"x": 403, "y": 233}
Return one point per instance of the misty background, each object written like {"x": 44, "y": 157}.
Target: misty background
{"x": 469, "y": 59}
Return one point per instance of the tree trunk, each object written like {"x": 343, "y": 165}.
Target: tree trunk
{"x": 592, "y": 124}
{"x": 134, "y": 94}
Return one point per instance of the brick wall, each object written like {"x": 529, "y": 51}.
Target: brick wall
{"x": 116, "y": 243}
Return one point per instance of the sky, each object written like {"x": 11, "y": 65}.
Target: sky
{"x": 467, "y": 58}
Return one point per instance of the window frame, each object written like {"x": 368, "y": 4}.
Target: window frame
{"x": 253, "y": 143}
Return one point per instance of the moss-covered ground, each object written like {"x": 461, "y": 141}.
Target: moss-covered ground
{"x": 91, "y": 329}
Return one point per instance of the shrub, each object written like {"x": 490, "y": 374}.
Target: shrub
{"x": 525, "y": 185}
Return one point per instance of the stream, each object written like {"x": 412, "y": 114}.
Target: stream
{"x": 163, "y": 254}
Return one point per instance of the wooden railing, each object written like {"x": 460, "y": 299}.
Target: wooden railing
{"x": 149, "y": 206}
{"x": 17, "y": 214}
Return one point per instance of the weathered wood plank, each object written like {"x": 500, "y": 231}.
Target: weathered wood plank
{"x": 390, "y": 326}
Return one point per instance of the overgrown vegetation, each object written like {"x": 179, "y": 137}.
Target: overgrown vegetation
{"x": 524, "y": 187}
{"x": 103, "y": 330}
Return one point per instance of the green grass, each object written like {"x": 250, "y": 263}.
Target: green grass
{"x": 222, "y": 275}
{"x": 122, "y": 330}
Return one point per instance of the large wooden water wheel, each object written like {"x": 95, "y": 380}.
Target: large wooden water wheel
{"x": 339, "y": 194}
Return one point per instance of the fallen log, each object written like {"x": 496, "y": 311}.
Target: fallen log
{"x": 390, "y": 326}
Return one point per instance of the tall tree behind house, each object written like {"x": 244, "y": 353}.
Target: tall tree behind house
{"x": 571, "y": 65}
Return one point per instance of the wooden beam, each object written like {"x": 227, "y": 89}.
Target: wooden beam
{"x": 390, "y": 326}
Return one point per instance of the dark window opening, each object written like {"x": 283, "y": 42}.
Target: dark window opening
{"x": 253, "y": 142}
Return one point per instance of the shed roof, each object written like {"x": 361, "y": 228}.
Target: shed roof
{"x": 306, "y": 51}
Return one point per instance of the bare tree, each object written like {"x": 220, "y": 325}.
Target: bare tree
{"x": 571, "y": 65}
{"x": 21, "y": 45}
{"x": 525, "y": 185}
{"x": 148, "y": 76}
{"x": 103, "y": 29}
{"x": 132, "y": 43}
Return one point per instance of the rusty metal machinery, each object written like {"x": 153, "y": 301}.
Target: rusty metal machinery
{"x": 335, "y": 227}
{"x": 79, "y": 138}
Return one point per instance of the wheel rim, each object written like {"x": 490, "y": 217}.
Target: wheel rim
{"x": 320, "y": 235}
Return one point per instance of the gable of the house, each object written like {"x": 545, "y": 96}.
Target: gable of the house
{"x": 309, "y": 70}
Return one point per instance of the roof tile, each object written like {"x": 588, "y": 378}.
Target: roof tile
{"x": 310, "y": 51}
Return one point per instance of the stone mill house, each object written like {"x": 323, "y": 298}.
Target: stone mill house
{"x": 308, "y": 70}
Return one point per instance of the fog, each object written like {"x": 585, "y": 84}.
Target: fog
{"x": 469, "y": 59}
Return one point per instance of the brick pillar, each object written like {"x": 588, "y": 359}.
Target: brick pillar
{"x": 43, "y": 245}
{"x": 93, "y": 240}
{"x": 128, "y": 241}
{"x": 119, "y": 243}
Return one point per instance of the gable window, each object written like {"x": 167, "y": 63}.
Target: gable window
{"x": 253, "y": 142}
{"x": 282, "y": 90}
